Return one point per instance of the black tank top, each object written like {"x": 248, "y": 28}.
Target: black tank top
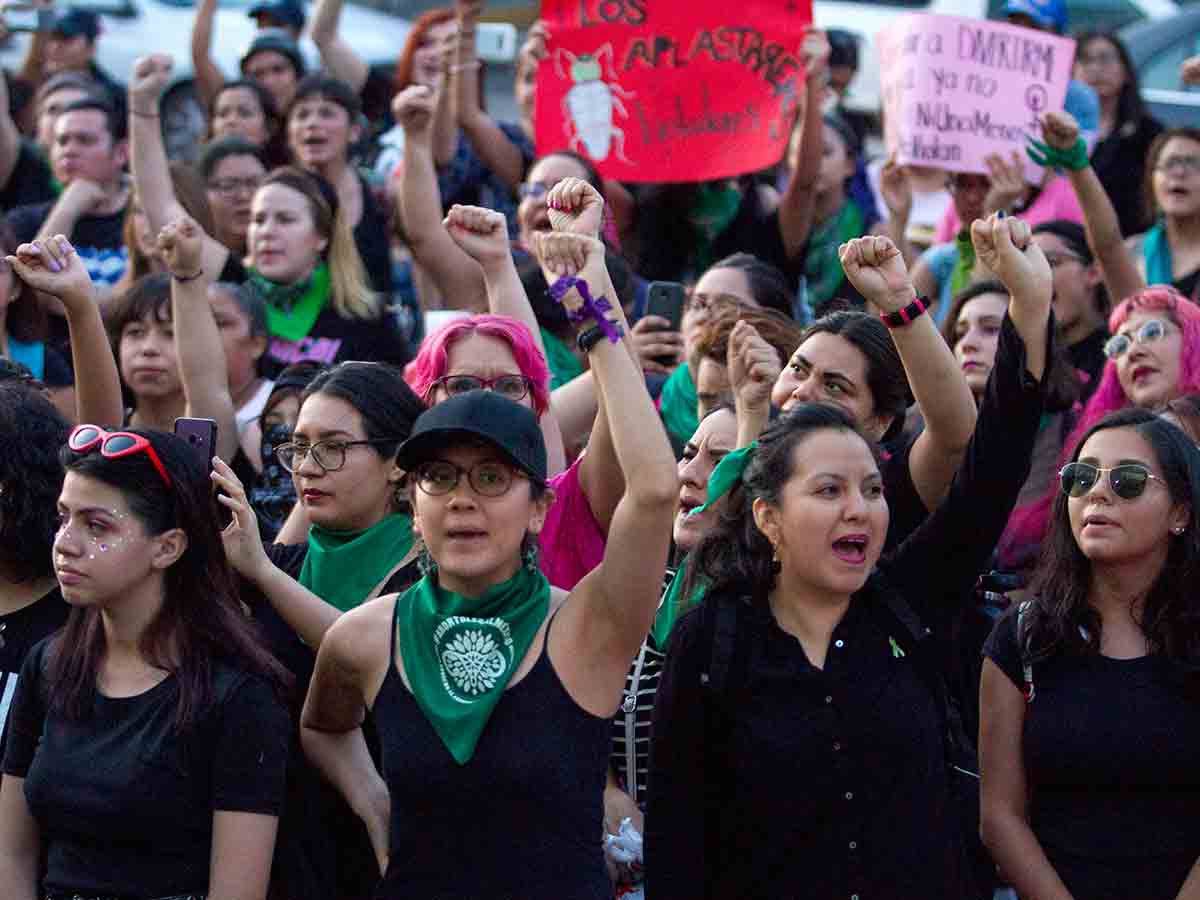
{"x": 521, "y": 821}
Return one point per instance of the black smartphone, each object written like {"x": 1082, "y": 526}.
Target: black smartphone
{"x": 666, "y": 299}
{"x": 201, "y": 434}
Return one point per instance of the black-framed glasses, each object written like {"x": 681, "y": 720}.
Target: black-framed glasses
{"x": 229, "y": 187}
{"x": 329, "y": 455}
{"x": 511, "y": 387}
{"x": 1147, "y": 333}
{"x": 1127, "y": 480}
{"x": 489, "y": 478}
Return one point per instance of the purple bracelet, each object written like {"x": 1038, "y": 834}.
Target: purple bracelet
{"x": 591, "y": 308}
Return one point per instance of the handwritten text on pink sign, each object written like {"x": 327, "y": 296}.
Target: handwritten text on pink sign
{"x": 956, "y": 90}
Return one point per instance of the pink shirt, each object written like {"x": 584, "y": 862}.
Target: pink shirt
{"x": 1056, "y": 201}
{"x": 572, "y": 543}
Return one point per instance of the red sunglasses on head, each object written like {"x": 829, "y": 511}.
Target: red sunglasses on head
{"x": 114, "y": 445}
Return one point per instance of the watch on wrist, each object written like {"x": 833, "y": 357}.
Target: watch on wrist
{"x": 594, "y": 334}
{"x": 906, "y": 314}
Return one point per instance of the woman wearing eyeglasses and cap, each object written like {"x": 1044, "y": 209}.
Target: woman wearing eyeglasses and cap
{"x": 1089, "y": 721}
{"x": 148, "y": 739}
{"x": 492, "y": 691}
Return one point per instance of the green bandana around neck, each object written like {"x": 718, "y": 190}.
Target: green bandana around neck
{"x": 677, "y": 404}
{"x": 292, "y": 309}
{"x": 564, "y": 365}
{"x": 343, "y": 567}
{"x": 822, "y": 267}
{"x": 460, "y": 652}
{"x": 964, "y": 265}
{"x": 674, "y": 605}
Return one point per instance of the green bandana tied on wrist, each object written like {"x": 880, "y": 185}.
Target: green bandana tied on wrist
{"x": 343, "y": 567}
{"x": 460, "y": 652}
{"x": 292, "y": 309}
{"x": 1073, "y": 160}
{"x": 677, "y": 404}
{"x": 960, "y": 278}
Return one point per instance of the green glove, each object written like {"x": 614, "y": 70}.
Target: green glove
{"x": 1073, "y": 160}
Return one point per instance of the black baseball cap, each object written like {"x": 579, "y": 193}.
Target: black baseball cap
{"x": 284, "y": 12}
{"x": 73, "y": 22}
{"x": 278, "y": 41}
{"x": 484, "y": 416}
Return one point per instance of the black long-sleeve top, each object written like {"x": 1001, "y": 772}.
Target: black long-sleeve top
{"x": 834, "y": 782}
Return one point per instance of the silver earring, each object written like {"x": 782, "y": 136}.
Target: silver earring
{"x": 1177, "y": 531}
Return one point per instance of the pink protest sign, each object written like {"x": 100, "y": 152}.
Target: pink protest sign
{"x": 651, "y": 90}
{"x": 956, "y": 90}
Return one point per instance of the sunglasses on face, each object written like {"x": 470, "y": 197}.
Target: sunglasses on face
{"x": 1128, "y": 481}
{"x": 114, "y": 445}
{"x": 1149, "y": 332}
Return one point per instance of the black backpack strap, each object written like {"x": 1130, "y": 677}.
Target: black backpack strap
{"x": 1027, "y": 687}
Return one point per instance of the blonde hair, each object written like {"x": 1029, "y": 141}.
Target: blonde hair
{"x": 350, "y": 292}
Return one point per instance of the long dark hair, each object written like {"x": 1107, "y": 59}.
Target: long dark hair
{"x": 1130, "y": 107}
{"x": 1062, "y": 382}
{"x": 886, "y": 378}
{"x": 381, "y": 396}
{"x": 200, "y": 622}
{"x": 31, "y": 477}
{"x": 1170, "y": 617}
{"x": 735, "y": 557}
{"x": 768, "y": 285}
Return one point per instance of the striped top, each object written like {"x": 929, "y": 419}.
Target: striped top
{"x": 631, "y": 725}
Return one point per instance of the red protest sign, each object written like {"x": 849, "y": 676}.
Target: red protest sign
{"x": 665, "y": 90}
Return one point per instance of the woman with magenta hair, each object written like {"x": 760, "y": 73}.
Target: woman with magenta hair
{"x": 506, "y": 354}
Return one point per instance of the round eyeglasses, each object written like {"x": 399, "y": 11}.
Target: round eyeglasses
{"x": 489, "y": 478}
{"x": 1150, "y": 331}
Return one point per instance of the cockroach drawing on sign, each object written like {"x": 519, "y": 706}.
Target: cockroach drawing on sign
{"x": 590, "y": 104}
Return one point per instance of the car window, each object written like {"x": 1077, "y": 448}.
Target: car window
{"x": 1102, "y": 15}
{"x": 1161, "y": 72}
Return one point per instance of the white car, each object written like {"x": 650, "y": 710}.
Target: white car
{"x": 866, "y": 18}
{"x": 133, "y": 28}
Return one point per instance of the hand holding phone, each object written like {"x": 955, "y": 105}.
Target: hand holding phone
{"x": 201, "y": 434}
{"x": 656, "y": 336}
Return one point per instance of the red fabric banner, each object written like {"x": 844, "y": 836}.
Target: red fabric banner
{"x": 671, "y": 90}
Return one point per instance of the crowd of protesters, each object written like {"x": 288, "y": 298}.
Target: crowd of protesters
{"x": 867, "y": 576}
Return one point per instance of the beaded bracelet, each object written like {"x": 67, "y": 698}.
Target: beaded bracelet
{"x": 590, "y": 309}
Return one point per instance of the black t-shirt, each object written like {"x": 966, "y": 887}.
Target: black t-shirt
{"x": 906, "y": 509}
{"x": 323, "y": 850}
{"x": 371, "y": 238}
{"x": 97, "y": 239}
{"x": 1088, "y": 356}
{"x": 1119, "y": 161}
{"x": 333, "y": 339}
{"x": 19, "y": 632}
{"x": 123, "y": 802}
{"x": 31, "y": 180}
{"x": 1110, "y": 757}
{"x": 233, "y": 272}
